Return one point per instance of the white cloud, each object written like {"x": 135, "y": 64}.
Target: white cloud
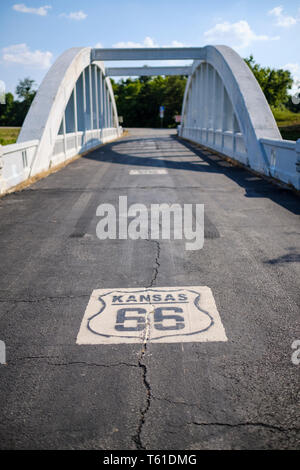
{"x": 237, "y": 35}
{"x": 294, "y": 68}
{"x": 75, "y": 15}
{"x": 98, "y": 45}
{"x": 150, "y": 42}
{"x": 21, "y": 54}
{"x": 281, "y": 19}
{"x": 41, "y": 11}
{"x": 147, "y": 42}
{"x": 176, "y": 44}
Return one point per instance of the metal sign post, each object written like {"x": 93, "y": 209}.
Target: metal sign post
{"x": 161, "y": 115}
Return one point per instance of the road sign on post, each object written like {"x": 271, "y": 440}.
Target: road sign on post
{"x": 161, "y": 115}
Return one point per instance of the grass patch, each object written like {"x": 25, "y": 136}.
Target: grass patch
{"x": 9, "y": 135}
{"x": 290, "y": 132}
{"x": 285, "y": 118}
{"x": 288, "y": 123}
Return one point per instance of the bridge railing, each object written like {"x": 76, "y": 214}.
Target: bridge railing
{"x": 73, "y": 111}
{"x": 15, "y": 163}
{"x": 225, "y": 110}
{"x": 68, "y": 145}
{"x": 283, "y": 157}
{"x": 227, "y": 142}
{"x": 16, "y": 160}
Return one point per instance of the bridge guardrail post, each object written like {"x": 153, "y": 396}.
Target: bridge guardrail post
{"x": 298, "y": 155}
{"x": 1, "y": 167}
{"x": 1, "y": 161}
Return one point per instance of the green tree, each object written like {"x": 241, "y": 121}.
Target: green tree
{"x": 7, "y": 111}
{"x": 25, "y": 89}
{"x": 274, "y": 83}
{"x": 138, "y": 100}
{"x": 13, "y": 112}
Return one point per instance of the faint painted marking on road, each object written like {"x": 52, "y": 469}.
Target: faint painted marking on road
{"x": 162, "y": 314}
{"x": 161, "y": 171}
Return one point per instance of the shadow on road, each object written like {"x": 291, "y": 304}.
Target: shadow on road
{"x": 254, "y": 186}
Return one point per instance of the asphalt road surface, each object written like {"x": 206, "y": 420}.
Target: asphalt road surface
{"x": 237, "y": 394}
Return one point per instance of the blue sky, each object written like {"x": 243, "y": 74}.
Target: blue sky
{"x": 34, "y": 33}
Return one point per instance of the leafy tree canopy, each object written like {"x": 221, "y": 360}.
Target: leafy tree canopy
{"x": 13, "y": 112}
{"x": 138, "y": 100}
{"x": 25, "y": 89}
{"x": 274, "y": 83}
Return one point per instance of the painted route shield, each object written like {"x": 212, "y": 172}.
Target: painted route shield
{"x": 159, "y": 315}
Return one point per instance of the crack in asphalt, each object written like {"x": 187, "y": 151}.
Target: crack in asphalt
{"x": 220, "y": 424}
{"x": 157, "y": 263}
{"x": 271, "y": 427}
{"x": 245, "y": 424}
{"x": 71, "y": 363}
{"x": 111, "y": 188}
{"x": 137, "y": 438}
{"x": 172, "y": 402}
{"x": 143, "y": 412}
{"x": 42, "y": 299}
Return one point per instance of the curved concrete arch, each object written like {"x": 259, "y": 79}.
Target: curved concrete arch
{"x": 250, "y": 106}
{"x": 113, "y": 101}
{"x": 75, "y": 110}
{"x": 46, "y": 112}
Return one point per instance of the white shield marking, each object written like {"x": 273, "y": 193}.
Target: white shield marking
{"x": 158, "y": 315}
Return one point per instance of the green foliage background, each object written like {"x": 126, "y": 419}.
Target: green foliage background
{"x": 274, "y": 83}
{"x": 138, "y": 100}
{"x": 13, "y": 112}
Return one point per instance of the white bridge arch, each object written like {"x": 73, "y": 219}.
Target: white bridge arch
{"x": 74, "y": 110}
{"x": 223, "y": 109}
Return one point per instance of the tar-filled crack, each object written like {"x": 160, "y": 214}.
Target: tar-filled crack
{"x": 224, "y": 424}
{"x": 137, "y": 438}
{"x": 245, "y": 424}
{"x": 55, "y": 191}
{"x": 270, "y": 427}
{"x": 172, "y": 402}
{"x": 43, "y": 299}
{"x": 157, "y": 263}
{"x": 49, "y": 361}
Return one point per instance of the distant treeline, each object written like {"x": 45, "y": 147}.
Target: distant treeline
{"x": 275, "y": 84}
{"x": 13, "y": 112}
{"x": 138, "y": 100}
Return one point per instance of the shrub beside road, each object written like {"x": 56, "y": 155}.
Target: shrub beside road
{"x": 9, "y": 135}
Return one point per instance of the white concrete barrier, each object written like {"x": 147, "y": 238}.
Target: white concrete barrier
{"x": 227, "y": 142}
{"x": 15, "y": 163}
{"x": 283, "y": 158}
{"x": 68, "y": 145}
{"x": 17, "y": 160}
{"x": 73, "y": 111}
{"x": 225, "y": 110}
